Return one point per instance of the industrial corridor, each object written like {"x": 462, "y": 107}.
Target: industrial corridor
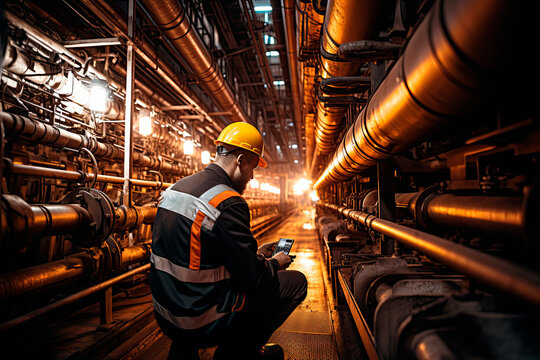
{"x": 154, "y": 154}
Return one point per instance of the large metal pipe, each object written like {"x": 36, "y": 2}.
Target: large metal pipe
{"x": 73, "y": 298}
{"x": 487, "y": 269}
{"x": 292, "y": 57}
{"x": 61, "y": 272}
{"x": 44, "y": 276}
{"x": 440, "y": 77}
{"x": 146, "y": 51}
{"x": 173, "y": 21}
{"x": 38, "y": 132}
{"x": 491, "y": 214}
{"x": 344, "y": 21}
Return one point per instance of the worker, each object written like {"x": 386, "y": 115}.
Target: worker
{"x": 210, "y": 283}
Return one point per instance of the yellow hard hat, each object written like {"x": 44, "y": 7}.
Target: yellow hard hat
{"x": 245, "y": 136}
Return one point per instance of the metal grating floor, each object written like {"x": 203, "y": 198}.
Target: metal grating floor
{"x": 308, "y": 332}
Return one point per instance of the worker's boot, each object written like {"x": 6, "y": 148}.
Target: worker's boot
{"x": 272, "y": 352}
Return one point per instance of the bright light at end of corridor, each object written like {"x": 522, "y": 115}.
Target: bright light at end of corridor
{"x": 307, "y": 226}
{"x": 301, "y": 186}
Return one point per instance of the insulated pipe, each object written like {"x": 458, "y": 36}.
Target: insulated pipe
{"x": 345, "y": 21}
{"x": 146, "y": 51}
{"x": 290, "y": 30}
{"x": 490, "y": 270}
{"x": 442, "y": 74}
{"x": 172, "y": 19}
{"x": 38, "y": 132}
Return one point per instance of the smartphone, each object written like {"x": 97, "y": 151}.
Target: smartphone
{"x": 283, "y": 245}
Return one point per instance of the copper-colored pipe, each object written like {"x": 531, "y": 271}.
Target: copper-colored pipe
{"x": 44, "y": 276}
{"x": 61, "y": 272}
{"x": 490, "y": 270}
{"x": 38, "y": 132}
{"x": 58, "y": 219}
{"x": 72, "y": 298}
{"x": 172, "y": 19}
{"x": 493, "y": 214}
{"x": 77, "y": 176}
{"x": 104, "y": 11}
{"x": 345, "y": 21}
{"x": 438, "y": 79}
{"x": 129, "y": 218}
{"x": 290, "y": 30}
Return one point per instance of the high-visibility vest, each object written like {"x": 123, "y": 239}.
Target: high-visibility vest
{"x": 190, "y": 288}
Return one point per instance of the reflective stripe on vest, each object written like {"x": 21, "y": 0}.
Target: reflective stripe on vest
{"x": 216, "y": 195}
{"x": 187, "y": 275}
{"x": 189, "y": 322}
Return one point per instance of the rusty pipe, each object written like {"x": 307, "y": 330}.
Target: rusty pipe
{"x": 173, "y": 21}
{"x": 292, "y": 58}
{"x": 440, "y": 77}
{"x": 344, "y": 21}
{"x": 490, "y": 270}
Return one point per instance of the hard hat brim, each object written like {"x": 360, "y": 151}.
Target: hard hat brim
{"x": 262, "y": 163}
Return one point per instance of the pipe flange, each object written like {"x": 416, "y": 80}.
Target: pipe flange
{"x": 420, "y": 205}
{"x": 102, "y": 216}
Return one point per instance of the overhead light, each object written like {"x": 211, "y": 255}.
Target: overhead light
{"x": 295, "y": 161}
{"x": 99, "y": 94}
{"x": 145, "y": 122}
{"x": 272, "y": 53}
{"x": 279, "y": 82}
{"x": 263, "y": 8}
{"x": 205, "y": 157}
{"x": 188, "y": 147}
{"x": 294, "y": 146}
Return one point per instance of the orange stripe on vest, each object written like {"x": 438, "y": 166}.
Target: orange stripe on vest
{"x": 195, "y": 241}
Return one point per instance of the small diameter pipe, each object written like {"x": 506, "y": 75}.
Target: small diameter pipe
{"x": 490, "y": 270}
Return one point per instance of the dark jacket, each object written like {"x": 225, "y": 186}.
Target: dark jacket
{"x": 204, "y": 259}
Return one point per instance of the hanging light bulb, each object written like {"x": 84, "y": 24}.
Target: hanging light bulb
{"x": 188, "y": 147}
{"x": 145, "y": 122}
{"x": 99, "y": 94}
{"x": 205, "y": 157}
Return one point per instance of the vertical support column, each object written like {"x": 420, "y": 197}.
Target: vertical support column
{"x": 130, "y": 74}
{"x": 386, "y": 205}
{"x": 283, "y": 183}
{"x": 105, "y": 307}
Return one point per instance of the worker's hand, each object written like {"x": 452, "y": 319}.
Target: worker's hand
{"x": 267, "y": 249}
{"x": 283, "y": 259}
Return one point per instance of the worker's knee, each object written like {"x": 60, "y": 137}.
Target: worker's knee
{"x": 293, "y": 284}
